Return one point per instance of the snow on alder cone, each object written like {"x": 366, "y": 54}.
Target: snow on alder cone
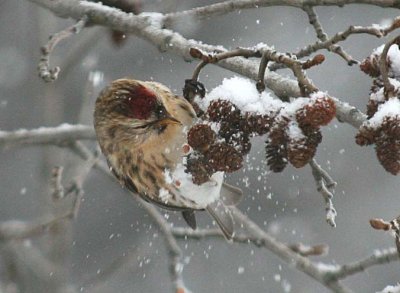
{"x": 383, "y": 125}
{"x": 292, "y": 128}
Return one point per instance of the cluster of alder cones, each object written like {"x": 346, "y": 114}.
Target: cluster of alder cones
{"x": 223, "y": 139}
{"x": 386, "y": 135}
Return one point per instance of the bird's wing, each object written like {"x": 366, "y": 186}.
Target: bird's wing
{"x": 230, "y": 195}
{"x": 222, "y": 216}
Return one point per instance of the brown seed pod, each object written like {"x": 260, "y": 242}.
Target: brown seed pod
{"x": 388, "y": 153}
{"x": 366, "y": 135}
{"x": 313, "y": 134}
{"x": 223, "y": 110}
{"x": 391, "y": 127}
{"x": 370, "y": 65}
{"x": 199, "y": 169}
{"x": 224, "y": 157}
{"x": 259, "y": 124}
{"x": 301, "y": 152}
{"x": 319, "y": 113}
{"x": 276, "y": 157}
{"x": 240, "y": 142}
{"x": 277, "y": 134}
{"x": 200, "y": 137}
{"x": 372, "y": 107}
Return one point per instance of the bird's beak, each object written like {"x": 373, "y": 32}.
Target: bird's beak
{"x": 168, "y": 120}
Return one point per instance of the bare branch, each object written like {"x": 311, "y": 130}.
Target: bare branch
{"x": 57, "y": 188}
{"x": 378, "y": 258}
{"x": 314, "y": 21}
{"x": 325, "y": 186}
{"x": 20, "y": 230}
{"x": 63, "y": 134}
{"x": 47, "y": 74}
{"x": 187, "y": 233}
{"x": 286, "y": 254}
{"x": 225, "y": 7}
{"x": 152, "y": 31}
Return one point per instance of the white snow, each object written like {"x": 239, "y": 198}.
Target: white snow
{"x": 294, "y": 131}
{"x": 393, "y": 55}
{"x": 379, "y": 95}
{"x": 390, "y": 108}
{"x": 203, "y": 194}
{"x": 243, "y": 93}
{"x": 391, "y": 289}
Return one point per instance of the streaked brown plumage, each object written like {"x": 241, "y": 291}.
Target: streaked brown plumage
{"x": 141, "y": 127}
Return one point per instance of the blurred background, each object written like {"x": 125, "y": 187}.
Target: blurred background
{"x": 111, "y": 224}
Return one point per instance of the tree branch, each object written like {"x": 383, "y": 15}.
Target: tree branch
{"x": 59, "y": 135}
{"x": 47, "y": 74}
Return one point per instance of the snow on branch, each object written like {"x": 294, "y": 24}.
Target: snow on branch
{"x": 62, "y": 134}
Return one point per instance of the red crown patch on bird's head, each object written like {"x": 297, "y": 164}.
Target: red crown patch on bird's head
{"x": 141, "y": 102}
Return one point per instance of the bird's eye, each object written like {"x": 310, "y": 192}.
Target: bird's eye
{"x": 160, "y": 111}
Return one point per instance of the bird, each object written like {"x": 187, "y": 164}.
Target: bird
{"x": 141, "y": 128}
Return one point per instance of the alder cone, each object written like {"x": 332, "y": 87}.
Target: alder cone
{"x": 199, "y": 169}
{"x": 276, "y": 157}
{"x": 301, "y": 152}
{"x": 277, "y": 135}
{"x": 391, "y": 127}
{"x": 223, "y": 110}
{"x": 372, "y": 108}
{"x": 259, "y": 124}
{"x": 320, "y": 113}
{"x": 388, "y": 153}
{"x": 370, "y": 65}
{"x": 224, "y": 157}
{"x": 366, "y": 136}
{"x": 240, "y": 142}
{"x": 313, "y": 134}
{"x": 200, "y": 137}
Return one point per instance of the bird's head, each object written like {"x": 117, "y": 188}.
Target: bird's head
{"x": 132, "y": 111}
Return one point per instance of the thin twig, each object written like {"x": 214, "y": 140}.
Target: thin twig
{"x": 261, "y": 73}
{"x": 213, "y": 58}
{"x": 225, "y": 7}
{"x": 47, "y": 74}
{"x": 314, "y": 21}
{"x": 325, "y": 186}
{"x": 57, "y": 187}
{"x": 378, "y": 258}
{"x": 305, "y": 84}
{"x": 383, "y": 67}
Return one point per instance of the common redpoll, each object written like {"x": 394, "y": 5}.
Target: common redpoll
{"x": 141, "y": 127}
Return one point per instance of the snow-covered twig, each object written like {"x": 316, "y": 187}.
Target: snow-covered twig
{"x": 325, "y": 186}
{"x": 152, "y": 31}
{"x": 47, "y": 74}
{"x": 59, "y": 135}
